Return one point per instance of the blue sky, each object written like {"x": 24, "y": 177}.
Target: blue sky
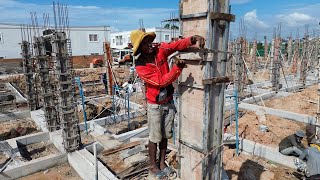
{"x": 260, "y": 16}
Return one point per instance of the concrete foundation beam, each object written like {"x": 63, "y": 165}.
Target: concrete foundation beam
{"x": 280, "y": 113}
{"x": 26, "y": 168}
{"x": 38, "y": 117}
{"x": 266, "y": 152}
{"x": 7, "y": 116}
{"x": 82, "y": 162}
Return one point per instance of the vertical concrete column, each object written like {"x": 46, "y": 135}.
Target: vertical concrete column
{"x": 28, "y": 69}
{"x": 65, "y": 92}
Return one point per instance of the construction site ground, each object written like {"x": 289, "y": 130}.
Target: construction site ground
{"x": 244, "y": 166}
{"x": 6, "y": 126}
{"x": 123, "y": 126}
{"x": 37, "y": 150}
{"x": 247, "y": 167}
{"x": 304, "y": 102}
{"x": 278, "y": 128}
{"x": 61, "y": 172}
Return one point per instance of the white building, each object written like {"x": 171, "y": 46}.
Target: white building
{"x": 85, "y": 40}
{"x": 120, "y": 40}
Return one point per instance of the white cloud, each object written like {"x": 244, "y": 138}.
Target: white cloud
{"x": 123, "y": 18}
{"x": 239, "y": 1}
{"x": 251, "y": 19}
{"x": 295, "y": 19}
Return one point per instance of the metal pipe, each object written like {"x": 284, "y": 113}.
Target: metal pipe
{"x": 82, "y": 101}
{"x": 235, "y": 93}
{"x": 128, "y": 108}
{"x": 95, "y": 161}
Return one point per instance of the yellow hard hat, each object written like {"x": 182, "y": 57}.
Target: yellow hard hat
{"x": 137, "y": 36}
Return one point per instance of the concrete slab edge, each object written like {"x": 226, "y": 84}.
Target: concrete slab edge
{"x": 82, "y": 162}
{"x": 33, "y": 166}
{"x": 266, "y": 152}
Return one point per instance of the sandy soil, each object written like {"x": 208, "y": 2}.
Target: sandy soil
{"x": 37, "y": 150}
{"x": 26, "y": 122}
{"x": 245, "y": 167}
{"x": 279, "y": 128}
{"x": 61, "y": 172}
{"x": 122, "y": 127}
{"x": 300, "y": 102}
{"x": 86, "y": 138}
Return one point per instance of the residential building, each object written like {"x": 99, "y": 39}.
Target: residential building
{"x": 120, "y": 40}
{"x": 85, "y": 40}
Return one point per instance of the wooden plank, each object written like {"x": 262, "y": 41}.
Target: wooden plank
{"x": 216, "y": 80}
{"x": 194, "y": 6}
{"x": 120, "y": 148}
{"x": 222, "y": 16}
{"x": 196, "y": 56}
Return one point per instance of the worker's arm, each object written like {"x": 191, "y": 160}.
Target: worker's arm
{"x": 304, "y": 154}
{"x": 169, "y": 48}
{"x": 296, "y": 144}
{"x": 152, "y": 75}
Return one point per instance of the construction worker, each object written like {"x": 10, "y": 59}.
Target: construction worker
{"x": 312, "y": 155}
{"x": 291, "y": 145}
{"x": 152, "y": 67}
{"x": 97, "y": 62}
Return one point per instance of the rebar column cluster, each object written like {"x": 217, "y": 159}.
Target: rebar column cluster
{"x": 239, "y": 67}
{"x": 254, "y": 57}
{"x": 65, "y": 91}
{"x": 266, "y": 50}
{"x": 304, "y": 60}
{"x": 275, "y": 76}
{"x": 45, "y": 84}
{"x": 289, "y": 50}
{"x": 295, "y": 56}
{"x": 28, "y": 69}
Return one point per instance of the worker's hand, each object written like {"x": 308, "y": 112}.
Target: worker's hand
{"x": 180, "y": 63}
{"x": 198, "y": 39}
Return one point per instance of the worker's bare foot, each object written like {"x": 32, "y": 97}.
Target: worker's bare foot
{"x": 154, "y": 169}
{"x": 163, "y": 165}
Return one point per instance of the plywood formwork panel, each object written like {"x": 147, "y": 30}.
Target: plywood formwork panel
{"x": 189, "y": 163}
{"x": 194, "y": 6}
{"x": 191, "y": 116}
{"x": 194, "y": 27}
{"x": 192, "y": 75}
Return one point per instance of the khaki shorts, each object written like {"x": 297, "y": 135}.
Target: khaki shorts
{"x": 160, "y": 121}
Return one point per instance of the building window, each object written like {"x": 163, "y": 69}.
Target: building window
{"x": 166, "y": 37}
{"x": 119, "y": 40}
{"x": 113, "y": 41}
{"x": 93, "y": 37}
{"x": 1, "y": 38}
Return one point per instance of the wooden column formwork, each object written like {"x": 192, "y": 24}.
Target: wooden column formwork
{"x": 201, "y": 105}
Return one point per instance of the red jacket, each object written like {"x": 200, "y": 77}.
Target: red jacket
{"x": 157, "y": 75}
